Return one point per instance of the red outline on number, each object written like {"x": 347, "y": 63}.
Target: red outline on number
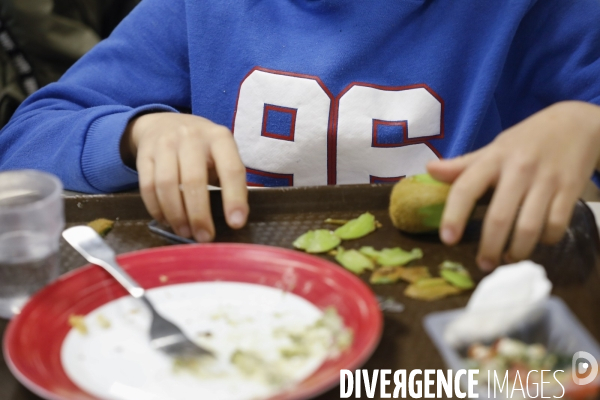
{"x": 379, "y": 122}
{"x": 387, "y": 179}
{"x": 334, "y": 110}
{"x": 289, "y": 177}
{"x": 437, "y": 153}
{"x": 287, "y": 110}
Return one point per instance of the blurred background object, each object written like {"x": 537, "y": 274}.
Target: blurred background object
{"x": 41, "y": 39}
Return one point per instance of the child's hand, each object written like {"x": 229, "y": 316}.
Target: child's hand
{"x": 176, "y": 156}
{"x": 539, "y": 168}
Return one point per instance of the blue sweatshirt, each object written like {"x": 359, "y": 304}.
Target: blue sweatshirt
{"x": 315, "y": 91}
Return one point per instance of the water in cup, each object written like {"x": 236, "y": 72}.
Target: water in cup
{"x": 27, "y": 263}
{"x": 31, "y": 219}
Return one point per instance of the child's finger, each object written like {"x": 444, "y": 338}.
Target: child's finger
{"x": 166, "y": 175}
{"x": 500, "y": 217}
{"x": 194, "y": 181}
{"x": 232, "y": 176}
{"x": 448, "y": 170}
{"x": 559, "y": 216}
{"x": 531, "y": 219}
{"x": 465, "y": 191}
{"x": 145, "y": 168}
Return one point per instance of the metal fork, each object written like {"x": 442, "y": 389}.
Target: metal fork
{"x": 164, "y": 335}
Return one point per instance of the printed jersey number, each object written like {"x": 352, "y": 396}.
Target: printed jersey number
{"x": 290, "y": 130}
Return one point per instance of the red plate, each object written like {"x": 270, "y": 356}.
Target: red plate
{"x": 34, "y": 338}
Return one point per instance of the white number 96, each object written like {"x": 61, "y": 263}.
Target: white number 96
{"x": 290, "y": 130}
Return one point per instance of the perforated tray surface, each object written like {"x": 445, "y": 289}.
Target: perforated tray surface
{"x": 278, "y": 216}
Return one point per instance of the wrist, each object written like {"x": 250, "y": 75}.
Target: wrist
{"x": 132, "y": 135}
{"x": 127, "y": 146}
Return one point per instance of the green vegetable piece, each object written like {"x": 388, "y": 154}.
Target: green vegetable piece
{"x": 353, "y": 260}
{"x": 457, "y": 279}
{"x": 431, "y": 216}
{"x": 304, "y": 240}
{"x": 456, "y": 274}
{"x": 426, "y": 178}
{"x": 357, "y": 228}
{"x": 397, "y": 256}
{"x": 453, "y": 266}
{"x": 369, "y": 251}
{"x": 318, "y": 241}
{"x": 392, "y": 257}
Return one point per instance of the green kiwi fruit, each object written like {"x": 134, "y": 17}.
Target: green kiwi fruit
{"x": 417, "y": 203}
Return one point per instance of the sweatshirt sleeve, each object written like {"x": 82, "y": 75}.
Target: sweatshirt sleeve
{"x": 73, "y": 127}
{"x": 555, "y": 56}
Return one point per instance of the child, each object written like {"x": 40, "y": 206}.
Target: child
{"x": 331, "y": 92}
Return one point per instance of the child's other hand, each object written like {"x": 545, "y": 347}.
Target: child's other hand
{"x": 177, "y": 155}
{"x": 539, "y": 168}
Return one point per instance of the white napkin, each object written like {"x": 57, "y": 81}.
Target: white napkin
{"x": 511, "y": 295}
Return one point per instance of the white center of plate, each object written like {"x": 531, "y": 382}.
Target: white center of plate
{"x": 117, "y": 362}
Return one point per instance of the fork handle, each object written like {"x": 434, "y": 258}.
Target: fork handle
{"x": 122, "y": 277}
{"x": 94, "y": 249}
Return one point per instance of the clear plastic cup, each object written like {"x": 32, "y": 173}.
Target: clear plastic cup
{"x": 31, "y": 221}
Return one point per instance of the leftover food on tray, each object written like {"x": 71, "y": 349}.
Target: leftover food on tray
{"x": 454, "y": 279}
{"x": 324, "y": 240}
{"x": 417, "y": 203}
{"x": 353, "y": 260}
{"x": 357, "y": 228}
{"x": 367, "y": 257}
{"x": 414, "y": 274}
{"x": 102, "y": 226}
{"x": 337, "y": 221}
{"x": 521, "y": 363}
{"x": 163, "y": 279}
{"x": 386, "y": 275}
{"x": 456, "y": 274}
{"x": 393, "y": 274}
{"x": 430, "y": 289}
{"x": 317, "y": 241}
{"x": 392, "y": 257}
{"x": 389, "y": 265}
{"x": 77, "y": 322}
{"x": 369, "y": 251}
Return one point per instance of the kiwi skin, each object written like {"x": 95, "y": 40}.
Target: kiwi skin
{"x": 412, "y": 194}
